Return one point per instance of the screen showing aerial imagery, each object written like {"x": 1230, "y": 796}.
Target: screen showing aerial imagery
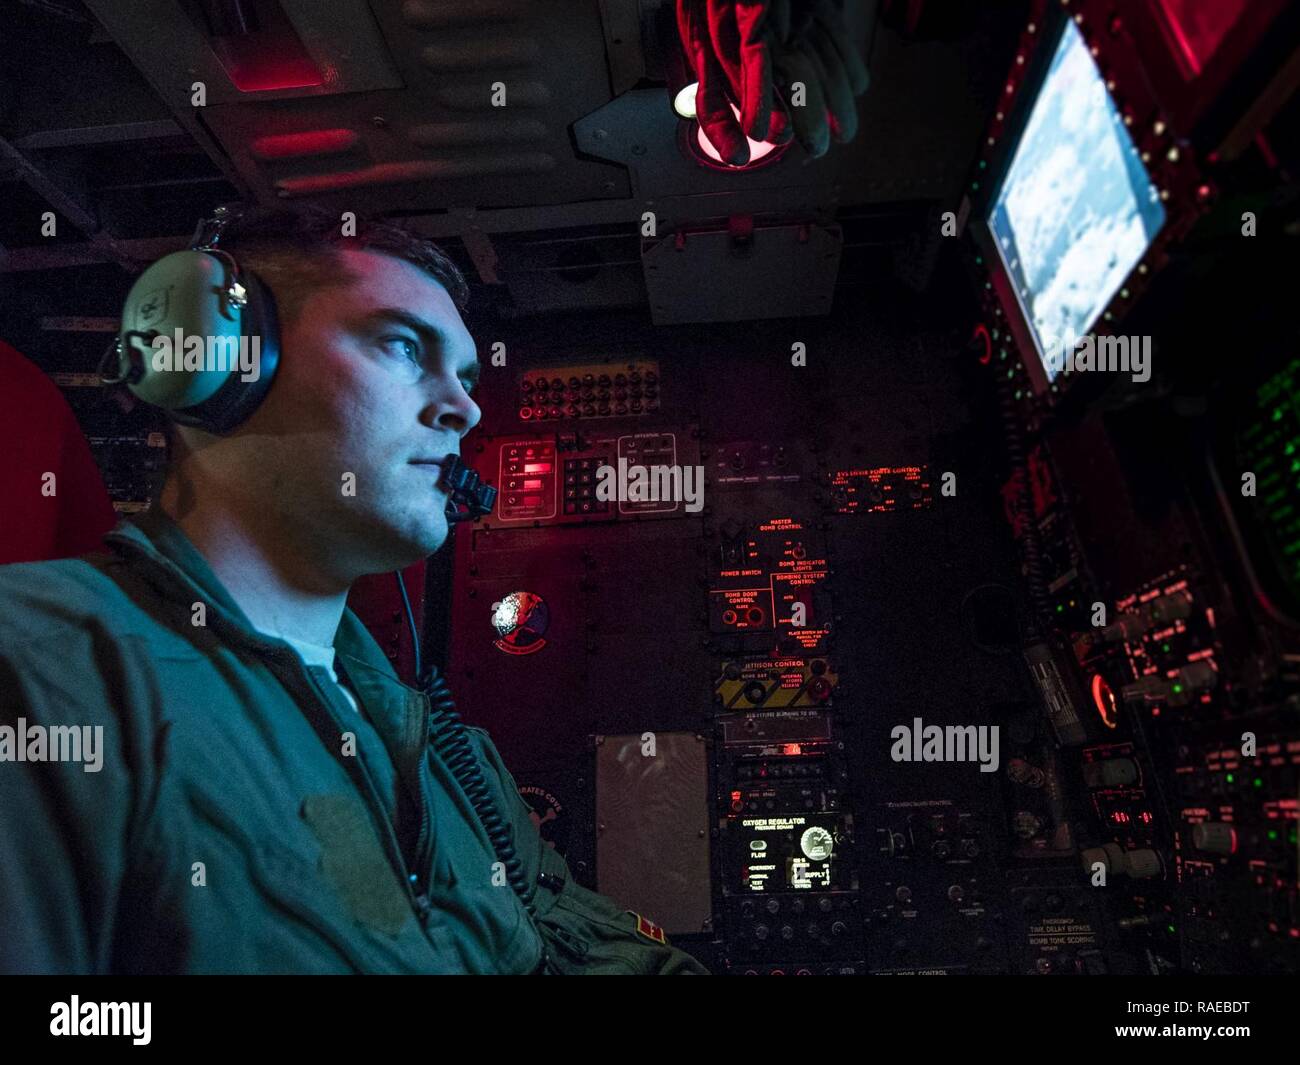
{"x": 1076, "y": 209}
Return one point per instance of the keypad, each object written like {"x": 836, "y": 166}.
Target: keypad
{"x": 580, "y": 486}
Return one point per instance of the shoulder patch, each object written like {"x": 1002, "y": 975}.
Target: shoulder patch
{"x": 649, "y": 929}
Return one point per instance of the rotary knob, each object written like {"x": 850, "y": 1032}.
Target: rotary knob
{"x": 1214, "y": 837}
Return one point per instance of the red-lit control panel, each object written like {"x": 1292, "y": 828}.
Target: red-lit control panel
{"x": 583, "y": 476}
{"x": 880, "y": 489}
{"x": 768, "y": 586}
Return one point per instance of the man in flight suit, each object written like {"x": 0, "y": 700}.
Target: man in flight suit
{"x": 254, "y": 789}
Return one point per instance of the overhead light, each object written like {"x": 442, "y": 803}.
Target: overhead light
{"x": 682, "y": 86}
{"x": 757, "y": 149}
{"x": 684, "y": 101}
{"x": 678, "y": 72}
{"x": 761, "y": 153}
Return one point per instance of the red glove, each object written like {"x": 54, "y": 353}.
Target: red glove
{"x": 738, "y": 29}
{"x": 748, "y": 53}
{"x": 712, "y": 95}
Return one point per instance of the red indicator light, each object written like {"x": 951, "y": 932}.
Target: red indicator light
{"x": 310, "y": 142}
{"x": 259, "y": 54}
{"x": 1199, "y": 29}
{"x": 255, "y": 76}
{"x": 1104, "y": 700}
{"x": 537, "y": 467}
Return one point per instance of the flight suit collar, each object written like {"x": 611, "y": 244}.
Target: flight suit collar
{"x": 397, "y": 711}
{"x": 157, "y": 535}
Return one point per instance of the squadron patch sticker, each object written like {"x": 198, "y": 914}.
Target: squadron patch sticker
{"x": 520, "y": 620}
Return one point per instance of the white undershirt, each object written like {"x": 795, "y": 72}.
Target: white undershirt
{"x": 314, "y": 654}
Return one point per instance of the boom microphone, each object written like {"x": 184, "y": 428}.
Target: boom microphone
{"x": 466, "y": 490}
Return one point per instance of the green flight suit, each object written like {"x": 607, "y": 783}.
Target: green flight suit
{"x": 244, "y": 817}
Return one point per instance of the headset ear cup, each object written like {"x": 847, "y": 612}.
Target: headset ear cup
{"x": 237, "y": 398}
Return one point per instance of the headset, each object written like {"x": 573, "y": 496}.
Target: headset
{"x": 198, "y": 293}
{"x": 204, "y": 292}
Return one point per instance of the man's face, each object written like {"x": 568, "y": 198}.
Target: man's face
{"x": 371, "y": 392}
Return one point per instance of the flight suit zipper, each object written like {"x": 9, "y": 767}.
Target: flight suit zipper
{"x": 424, "y": 840}
{"x": 178, "y": 579}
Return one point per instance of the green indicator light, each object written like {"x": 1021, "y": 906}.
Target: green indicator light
{"x": 1060, "y": 608}
{"x": 1018, "y": 393}
{"x": 1232, "y": 779}
{"x": 975, "y": 185}
{"x": 1164, "y": 647}
{"x": 1277, "y": 414}
{"x": 979, "y": 261}
{"x": 1171, "y": 929}
{"x": 1259, "y": 783}
{"x": 996, "y": 334}
{"x": 984, "y": 164}
{"x": 988, "y": 284}
{"x": 1272, "y": 833}
{"x": 1178, "y": 689}
{"x": 1011, "y": 372}
{"x": 1002, "y": 354}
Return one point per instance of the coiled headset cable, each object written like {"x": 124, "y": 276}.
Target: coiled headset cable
{"x": 448, "y": 734}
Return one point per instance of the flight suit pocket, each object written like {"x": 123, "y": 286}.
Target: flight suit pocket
{"x": 353, "y": 861}
{"x": 289, "y": 877}
{"x": 585, "y": 933}
{"x": 585, "y": 940}
{"x": 588, "y": 934}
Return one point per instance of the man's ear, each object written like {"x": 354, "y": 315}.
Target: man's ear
{"x": 175, "y": 449}
{"x": 175, "y": 445}
{"x": 184, "y": 440}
